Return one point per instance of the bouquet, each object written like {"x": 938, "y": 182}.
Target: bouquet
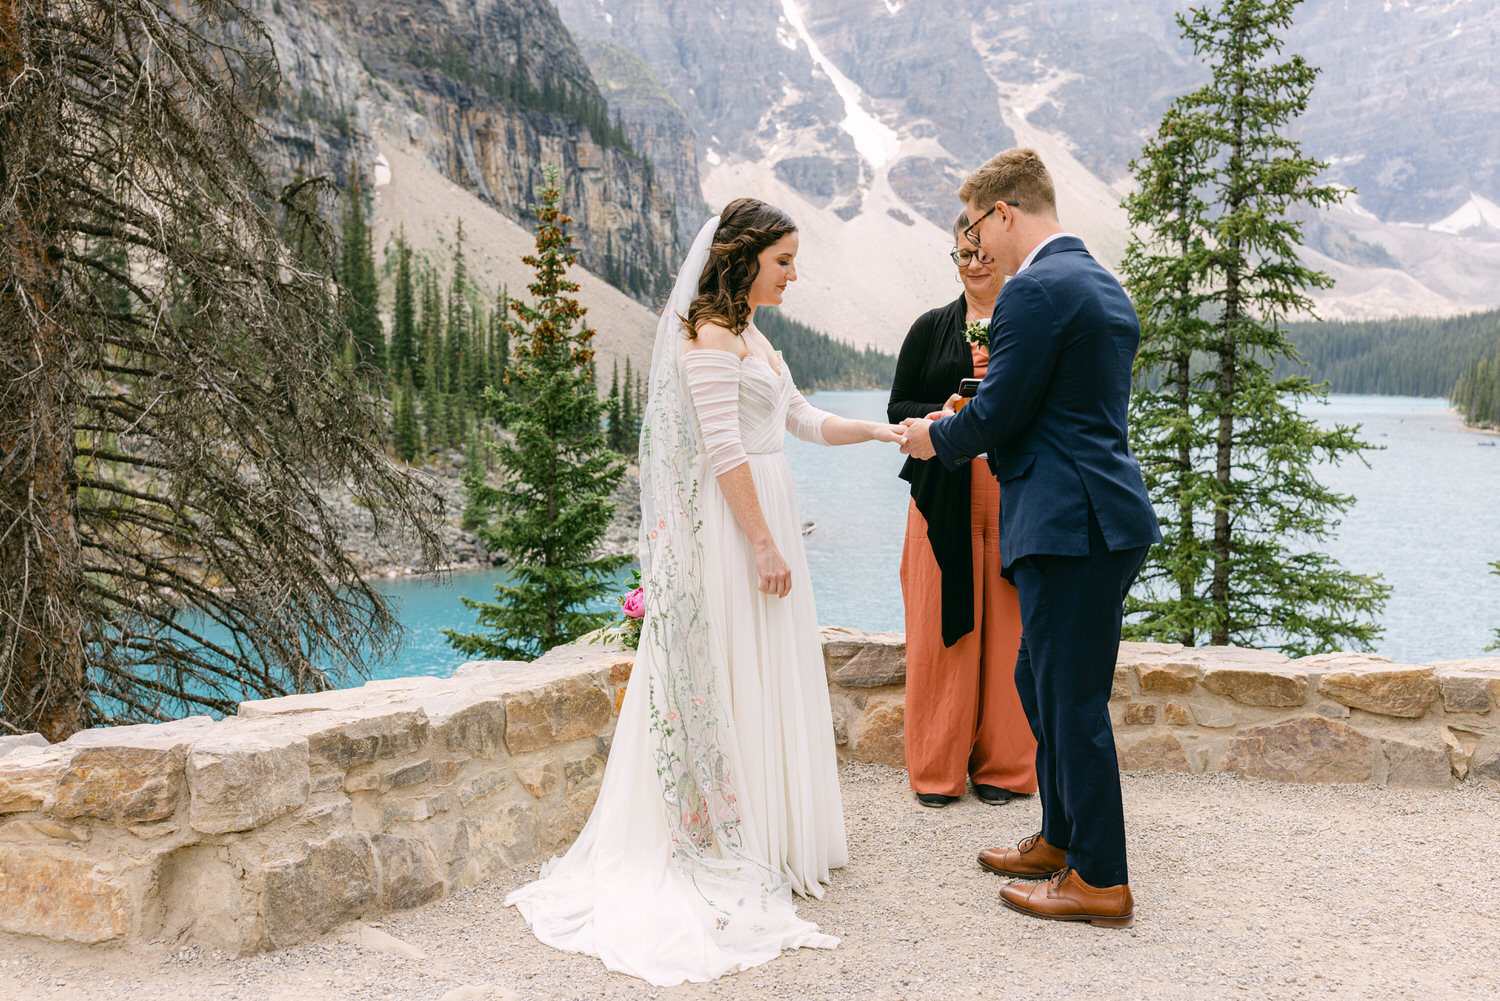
{"x": 978, "y": 332}
{"x": 632, "y": 611}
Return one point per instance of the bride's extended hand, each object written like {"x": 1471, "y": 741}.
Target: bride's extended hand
{"x": 887, "y": 432}
{"x": 775, "y": 575}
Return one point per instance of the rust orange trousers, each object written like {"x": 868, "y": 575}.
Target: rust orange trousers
{"x": 963, "y": 716}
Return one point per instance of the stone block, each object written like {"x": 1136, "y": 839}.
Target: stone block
{"x": 619, "y": 670}
{"x": 1406, "y": 692}
{"x": 490, "y": 670}
{"x": 539, "y": 780}
{"x": 1467, "y": 692}
{"x": 864, "y": 660}
{"x": 582, "y": 772}
{"x": 121, "y": 783}
{"x": 1119, "y": 685}
{"x": 1157, "y": 752}
{"x": 1460, "y": 754}
{"x": 204, "y": 897}
{"x": 1139, "y": 714}
{"x": 568, "y": 709}
{"x": 240, "y": 781}
{"x": 482, "y": 785}
{"x": 1217, "y": 717}
{"x": 1177, "y": 715}
{"x": 446, "y": 771}
{"x": 564, "y": 823}
{"x": 1166, "y": 679}
{"x": 1308, "y": 749}
{"x": 364, "y": 739}
{"x": 20, "y": 742}
{"x": 478, "y": 729}
{"x": 28, "y": 778}
{"x": 1415, "y": 766}
{"x": 486, "y": 844}
{"x": 1485, "y": 763}
{"x": 409, "y": 873}
{"x": 415, "y": 809}
{"x": 407, "y": 775}
{"x": 76, "y": 833}
{"x": 1271, "y": 687}
{"x": 69, "y": 899}
{"x": 879, "y": 736}
{"x": 332, "y": 882}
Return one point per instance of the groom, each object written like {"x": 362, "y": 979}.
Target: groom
{"x": 1075, "y": 523}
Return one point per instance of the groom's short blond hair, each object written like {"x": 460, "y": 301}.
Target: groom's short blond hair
{"x": 1016, "y": 175}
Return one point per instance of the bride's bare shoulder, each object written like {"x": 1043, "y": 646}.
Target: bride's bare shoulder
{"x": 716, "y": 337}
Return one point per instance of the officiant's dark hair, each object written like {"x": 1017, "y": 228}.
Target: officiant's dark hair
{"x": 1016, "y": 175}
{"x": 746, "y": 227}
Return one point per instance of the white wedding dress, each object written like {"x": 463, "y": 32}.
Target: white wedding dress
{"x": 720, "y": 796}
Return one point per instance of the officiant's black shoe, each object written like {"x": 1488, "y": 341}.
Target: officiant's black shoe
{"x": 935, "y": 799}
{"x": 993, "y": 795}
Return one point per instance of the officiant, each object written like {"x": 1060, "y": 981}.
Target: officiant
{"x": 964, "y": 719}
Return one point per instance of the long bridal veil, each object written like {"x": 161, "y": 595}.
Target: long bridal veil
{"x": 666, "y": 882}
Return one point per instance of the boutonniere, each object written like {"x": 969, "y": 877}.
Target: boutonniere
{"x": 978, "y": 332}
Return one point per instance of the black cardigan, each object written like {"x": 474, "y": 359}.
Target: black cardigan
{"x": 934, "y": 357}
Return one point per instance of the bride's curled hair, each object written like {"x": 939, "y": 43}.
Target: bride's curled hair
{"x": 746, "y": 227}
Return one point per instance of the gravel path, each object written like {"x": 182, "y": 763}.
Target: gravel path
{"x": 1243, "y": 890}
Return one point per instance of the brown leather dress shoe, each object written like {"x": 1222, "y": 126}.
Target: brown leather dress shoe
{"x": 1065, "y": 897}
{"x": 1032, "y": 858}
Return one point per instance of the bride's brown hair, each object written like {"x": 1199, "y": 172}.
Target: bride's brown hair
{"x": 746, "y": 227}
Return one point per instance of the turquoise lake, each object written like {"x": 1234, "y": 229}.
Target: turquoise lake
{"x": 1427, "y": 518}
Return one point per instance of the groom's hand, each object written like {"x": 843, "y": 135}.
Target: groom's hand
{"x": 918, "y": 442}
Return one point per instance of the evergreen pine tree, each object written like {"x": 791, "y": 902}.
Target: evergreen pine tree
{"x": 430, "y": 331}
{"x": 403, "y": 354}
{"x": 1230, "y": 454}
{"x": 614, "y": 412}
{"x": 456, "y": 338}
{"x": 407, "y": 437}
{"x": 629, "y": 420}
{"x": 474, "y": 471}
{"x": 433, "y": 422}
{"x": 553, "y": 507}
{"x": 357, "y": 275}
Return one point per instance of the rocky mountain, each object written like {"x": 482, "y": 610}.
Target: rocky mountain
{"x": 488, "y": 93}
{"x": 860, "y": 117}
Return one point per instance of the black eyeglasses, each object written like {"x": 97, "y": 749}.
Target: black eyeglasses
{"x": 963, "y": 257}
{"x": 969, "y": 230}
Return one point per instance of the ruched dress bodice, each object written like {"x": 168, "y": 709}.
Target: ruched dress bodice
{"x": 743, "y": 406}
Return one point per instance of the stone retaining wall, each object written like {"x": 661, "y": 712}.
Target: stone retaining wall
{"x": 276, "y": 825}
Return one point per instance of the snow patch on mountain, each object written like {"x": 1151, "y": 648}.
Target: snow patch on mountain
{"x": 874, "y": 141}
{"x": 1477, "y": 215}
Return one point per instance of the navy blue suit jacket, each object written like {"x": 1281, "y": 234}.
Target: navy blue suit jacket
{"x": 1051, "y": 410}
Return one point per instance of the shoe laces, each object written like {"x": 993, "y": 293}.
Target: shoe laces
{"x": 1027, "y": 844}
{"x": 1057, "y": 878}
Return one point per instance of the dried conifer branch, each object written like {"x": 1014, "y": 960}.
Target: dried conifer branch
{"x": 171, "y": 400}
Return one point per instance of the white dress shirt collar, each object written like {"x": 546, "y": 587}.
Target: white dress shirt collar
{"x": 1038, "y": 248}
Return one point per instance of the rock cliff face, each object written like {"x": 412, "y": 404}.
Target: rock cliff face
{"x": 655, "y": 124}
{"x": 491, "y": 92}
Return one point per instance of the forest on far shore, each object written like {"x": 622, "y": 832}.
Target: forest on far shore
{"x": 1402, "y": 356}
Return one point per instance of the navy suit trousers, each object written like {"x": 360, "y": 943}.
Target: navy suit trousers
{"x": 1071, "y": 609}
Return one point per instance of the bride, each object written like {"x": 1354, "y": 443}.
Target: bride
{"x": 720, "y": 798}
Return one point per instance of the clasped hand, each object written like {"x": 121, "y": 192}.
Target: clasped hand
{"x": 917, "y": 437}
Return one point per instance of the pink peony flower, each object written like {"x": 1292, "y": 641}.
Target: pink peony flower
{"x": 635, "y": 603}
